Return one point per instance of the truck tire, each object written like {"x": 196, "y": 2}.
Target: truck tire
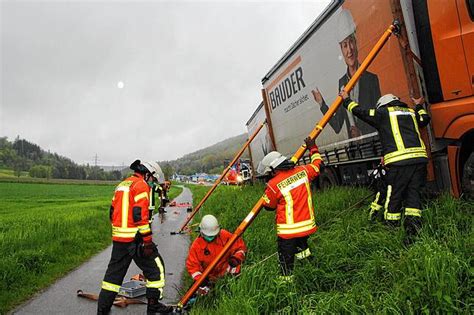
{"x": 327, "y": 178}
{"x": 467, "y": 180}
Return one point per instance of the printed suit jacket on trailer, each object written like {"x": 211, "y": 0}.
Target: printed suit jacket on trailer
{"x": 369, "y": 93}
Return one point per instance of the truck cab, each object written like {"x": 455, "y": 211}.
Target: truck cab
{"x": 445, "y": 36}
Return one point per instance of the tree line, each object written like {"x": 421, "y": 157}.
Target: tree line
{"x": 24, "y": 156}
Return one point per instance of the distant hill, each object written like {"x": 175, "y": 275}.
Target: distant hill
{"x": 208, "y": 160}
{"x": 24, "y": 157}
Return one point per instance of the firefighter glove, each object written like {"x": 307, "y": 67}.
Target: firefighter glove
{"x": 233, "y": 261}
{"x": 310, "y": 143}
{"x": 203, "y": 290}
{"x": 148, "y": 249}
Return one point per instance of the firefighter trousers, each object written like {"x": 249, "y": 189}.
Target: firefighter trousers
{"x": 379, "y": 201}
{"x": 122, "y": 255}
{"x": 288, "y": 249}
{"x": 404, "y": 184}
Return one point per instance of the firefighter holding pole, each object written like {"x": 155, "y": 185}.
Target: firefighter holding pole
{"x": 212, "y": 238}
{"x": 404, "y": 155}
{"x": 288, "y": 193}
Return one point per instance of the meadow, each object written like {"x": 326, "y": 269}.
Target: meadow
{"x": 357, "y": 266}
{"x": 47, "y": 230}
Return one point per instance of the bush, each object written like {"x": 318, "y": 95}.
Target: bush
{"x": 41, "y": 171}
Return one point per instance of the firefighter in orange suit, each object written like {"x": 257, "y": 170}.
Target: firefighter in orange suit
{"x": 132, "y": 240}
{"x": 205, "y": 249}
{"x": 288, "y": 192}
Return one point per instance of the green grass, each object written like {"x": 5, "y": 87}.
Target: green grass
{"x": 46, "y": 230}
{"x": 358, "y": 267}
{"x": 8, "y": 173}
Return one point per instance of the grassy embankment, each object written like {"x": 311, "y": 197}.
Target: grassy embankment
{"x": 48, "y": 230}
{"x": 359, "y": 267}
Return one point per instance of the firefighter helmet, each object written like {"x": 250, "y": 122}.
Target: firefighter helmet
{"x": 386, "y": 99}
{"x": 270, "y": 162}
{"x": 209, "y": 225}
{"x": 345, "y": 25}
{"x": 155, "y": 171}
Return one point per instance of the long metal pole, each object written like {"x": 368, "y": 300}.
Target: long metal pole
{"x": 299, "y": 153}
{"x": 237, "y": 156}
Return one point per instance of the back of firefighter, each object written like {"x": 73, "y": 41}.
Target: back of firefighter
{"x": 162, "y": 191}
{"x": 155, "y": 187}
{"x": 132, "y": 240}
{"x": 205, "y": 249}
{"x": 289, "y": 193}
{"x": 404, "y": 155}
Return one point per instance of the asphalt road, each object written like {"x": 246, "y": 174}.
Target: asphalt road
{"x": 60, "y": 297}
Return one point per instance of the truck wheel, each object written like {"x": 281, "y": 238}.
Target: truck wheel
{"x": 327, "y": 179}
{"x": 467, "y": 180}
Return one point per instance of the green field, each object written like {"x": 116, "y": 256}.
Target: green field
{"x": 8, "y": 173}
{"x": 47, "y": 230}
{"x": 358, "y": 266}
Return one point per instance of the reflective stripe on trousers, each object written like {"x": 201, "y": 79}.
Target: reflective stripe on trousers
{"x": 303, "y": 254}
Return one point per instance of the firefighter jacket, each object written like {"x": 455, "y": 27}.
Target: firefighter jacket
{"x": 398, "y": 127}
{"x": 202, "y": 253}
{"x": 289, "y": 193}
{"x": 129, "y": 210}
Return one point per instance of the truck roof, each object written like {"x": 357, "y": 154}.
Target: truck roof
{"x": 313, "y": 28}
{"x": 254, "y": 113}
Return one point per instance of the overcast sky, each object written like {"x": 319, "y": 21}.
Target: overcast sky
{"x": 138, "y": 79}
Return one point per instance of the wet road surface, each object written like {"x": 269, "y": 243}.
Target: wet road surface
{"x": 60, "y": 297}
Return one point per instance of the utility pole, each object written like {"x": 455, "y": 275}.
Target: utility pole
{"x": 94, "y": 172}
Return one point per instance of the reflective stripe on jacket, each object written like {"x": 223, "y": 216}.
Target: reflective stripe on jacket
{"x": 398, "y": 127}
{"x": 129, "y": 210}
{"x": 202, "y": 253}
{"x": 289, "y": 193}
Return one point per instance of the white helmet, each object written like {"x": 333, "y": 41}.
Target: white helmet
{"x": 270, "y": 161}
{"x": 387, "y": 98}
{"x": 345, "y": 25}
{"x": 209, "y": 225}
{"x": 155, "y": 170}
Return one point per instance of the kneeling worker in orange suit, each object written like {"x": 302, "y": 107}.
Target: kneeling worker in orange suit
{"x": 205, "y": 249}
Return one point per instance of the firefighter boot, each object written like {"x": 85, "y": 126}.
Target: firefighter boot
{"x": 102, "y": 311}
{"x": 375, "y": 209}
{"x": 105, "y": 302}
{"x": 156, "y": 307}
{"x": 374, "y": 212}
{"x": 392, "y": 219}
{"x": 412, "y": 226}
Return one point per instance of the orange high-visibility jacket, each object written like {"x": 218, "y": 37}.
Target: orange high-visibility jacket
{"x": 129, "y": 210}
{"x": 289, "y": 193}
{"x": 202, "y": 253}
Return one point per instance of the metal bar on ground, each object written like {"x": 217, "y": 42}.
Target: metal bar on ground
{"x": 299, "y": 153}
{"x": 217, "y": 182}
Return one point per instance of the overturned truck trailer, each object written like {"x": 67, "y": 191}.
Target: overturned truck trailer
{"x": 424, "y": 61}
